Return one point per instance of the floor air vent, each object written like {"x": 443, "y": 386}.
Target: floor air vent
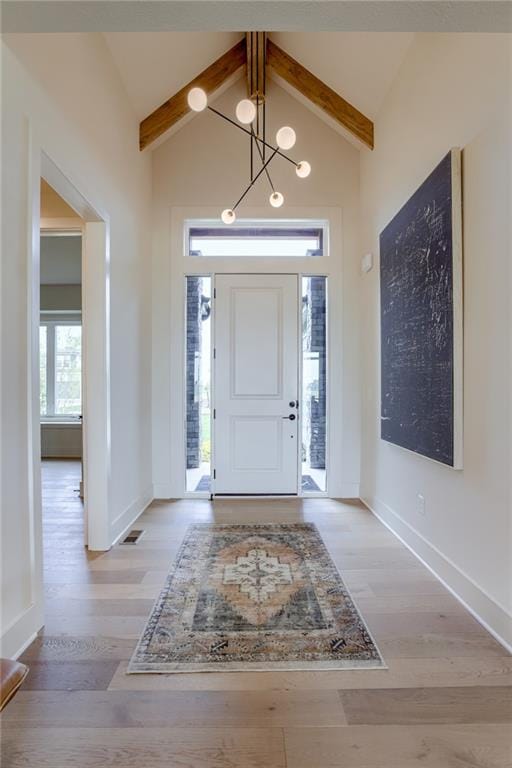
{"x": 132, "y": 537}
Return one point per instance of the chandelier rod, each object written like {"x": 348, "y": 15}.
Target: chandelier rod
{"x": 262, "y": 158}
{"x": 274, "y": 153}
{"x": 264, "y": 91}
{"x": 252, "y": 90}
{"x": 275, "y": 150}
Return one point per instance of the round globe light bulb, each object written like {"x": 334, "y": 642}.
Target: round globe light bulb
{"x": 276, "y": 199}
{"x": 303, "y": 169}
{"x": 197, "y": 99}
{"x": 245, "y": 111}
{"x": 285, "y": 137}
{"x": 228, "y": 216}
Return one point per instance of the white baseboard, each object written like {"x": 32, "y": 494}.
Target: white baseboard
{"x": 492, "y": 616}
{"x": 126, "y": 519}
{"x": 21, "y": 632}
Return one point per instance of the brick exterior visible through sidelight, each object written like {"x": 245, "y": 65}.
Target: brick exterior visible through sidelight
{"x": 193, "y": 356}
{"x": 314, "y": 308}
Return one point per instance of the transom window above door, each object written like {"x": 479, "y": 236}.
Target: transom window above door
{"x": 256, "y": 238}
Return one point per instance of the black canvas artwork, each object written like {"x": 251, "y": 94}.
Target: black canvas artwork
{"x": 421, "y": 319}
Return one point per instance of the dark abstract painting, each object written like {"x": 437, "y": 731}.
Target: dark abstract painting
{"x": 421, "y": 319}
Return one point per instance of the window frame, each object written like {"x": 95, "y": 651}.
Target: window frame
{"x": 318, "y": 228}
{"x": 51, "y": 320}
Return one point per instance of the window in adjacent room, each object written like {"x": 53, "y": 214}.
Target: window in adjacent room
{"x": 60, "y": 365}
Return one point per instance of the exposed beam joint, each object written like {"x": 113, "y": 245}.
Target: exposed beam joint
{"x": 256, "y": 54}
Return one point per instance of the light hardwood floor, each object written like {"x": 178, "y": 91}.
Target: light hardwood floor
{"x": 444, "y": 702}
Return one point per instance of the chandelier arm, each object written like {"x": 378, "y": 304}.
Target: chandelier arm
{"x": 264, "y": 122}
{"x": 275, "y": 150}
{"x": 262, "y": 158}
{"x": 254, "y": 180}
{"x": 252, "y": 158}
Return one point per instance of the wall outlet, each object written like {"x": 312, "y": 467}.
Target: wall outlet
{"x": 420, "y": 504}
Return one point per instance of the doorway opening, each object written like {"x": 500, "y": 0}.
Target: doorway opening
{"x": 60, "y": 374}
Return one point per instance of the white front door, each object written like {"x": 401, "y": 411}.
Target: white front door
{"x": 256, "y": 384}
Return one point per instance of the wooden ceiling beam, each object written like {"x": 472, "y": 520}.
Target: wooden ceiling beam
{"x": 304, "y": 81}
{"x": 176, "y": 108}
{"x": 277, "y": 60}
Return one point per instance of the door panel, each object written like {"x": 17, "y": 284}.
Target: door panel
{"x": 256, "y": 367}
{"x": 256, "y": 378}
{"x": 248, "y": 434}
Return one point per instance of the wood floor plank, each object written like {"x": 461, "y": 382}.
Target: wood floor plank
{"x": 103, "y": 591}
{"x": 138, "y": 560}
{"x": 76, "y": 648}
{"x": 355, "y": 560}
{"x": 134, "y": 709}
{"x": 432, "y": 645}
{"x": 86, "y": 576}
{"x": 70, "y": 675}
{"x": 143, "y": 748}
{"x": 393, "y": 624}
{"x": 419, "y": 706}
{"x": 76, "y": 607}
{"x": 122, "y": 627}
{"x": 411, "y": 604}
{"x": 441, "y": 746}
{"x": 401, "y": 673}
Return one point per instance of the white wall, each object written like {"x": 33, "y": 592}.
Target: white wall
{"x": 452, "y": 90}
{"x": 80, "y": 115}
{"x": 205, "y": 166}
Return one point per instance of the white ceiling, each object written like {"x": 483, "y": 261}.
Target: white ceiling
{"x": 338, "y": 15}
{"x": 360, "y": 66}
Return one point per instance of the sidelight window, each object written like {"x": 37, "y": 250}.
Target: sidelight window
{"x": 314, "y": 384}
{"x": 198, "y": 382}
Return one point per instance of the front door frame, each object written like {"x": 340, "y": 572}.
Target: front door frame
{"x": 299, "y": 492}
{"x": 169, "y": 343}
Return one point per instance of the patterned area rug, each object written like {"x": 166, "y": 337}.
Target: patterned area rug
{"x": 254, "y": 597}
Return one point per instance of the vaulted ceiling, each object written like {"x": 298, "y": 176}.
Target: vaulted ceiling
{"x": 360, "y": 66}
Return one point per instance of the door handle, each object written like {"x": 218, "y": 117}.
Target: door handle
{"x": 291, "y": 417}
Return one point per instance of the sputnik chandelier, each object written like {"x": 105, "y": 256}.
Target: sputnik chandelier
{"x": 251, "y": 119}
